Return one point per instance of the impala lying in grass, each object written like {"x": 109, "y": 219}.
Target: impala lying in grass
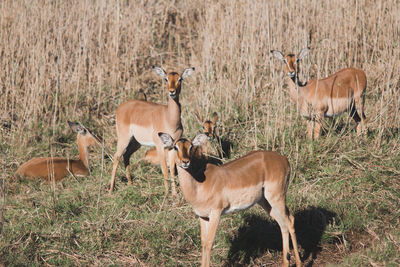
{"x": 340, "y": 92}
{"x": 138, "y": 123}
{"x": 260, "y": 177}
{"x": 49, "y": 168}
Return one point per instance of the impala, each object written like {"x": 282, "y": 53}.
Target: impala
{"x": 340, "y": 92}
{"x": 138, "y": 123}
{"x": 57, "y": 168}
{"x": 260, "y": 177}
{"x": 209, "y": 129}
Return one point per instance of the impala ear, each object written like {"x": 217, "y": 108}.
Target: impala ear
{"x": 161, "y": 72}
{"x": 199, "y": 140}
{"x": 166, "y": 139}
{"x": 215, "y": 117}
{"x": 186, "y": 73}
{"x": 278, "y": 54}
{"x": 304, "y": 52}
{"x": 76, "y": 127}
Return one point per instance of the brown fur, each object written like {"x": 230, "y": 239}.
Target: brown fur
{"x": 260, "y": 177}
{"x": 138, "y": 123}
{"x": 340, "y": 92}
{"x": 57, "y": 168}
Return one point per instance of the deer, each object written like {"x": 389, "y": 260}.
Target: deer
{"x": 48, "y": 168}
{"x": 138, "y": 122}
{"x": 208, "y": 128}
{"x": 260, "y": 177}
{"x": 343, "y": 91}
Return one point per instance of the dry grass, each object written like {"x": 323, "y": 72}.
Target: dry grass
{"x": 77, "y": 60}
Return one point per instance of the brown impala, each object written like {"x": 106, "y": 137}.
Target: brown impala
{"x": 57, "y": 168}
{"x": 340, "y": 92}
{"x": 138, "y": 123}
{"x": 260, "y": 177}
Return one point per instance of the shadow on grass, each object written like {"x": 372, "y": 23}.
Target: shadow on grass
{"x": 258, "y": 235}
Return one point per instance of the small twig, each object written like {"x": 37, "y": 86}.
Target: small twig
{"x": 162, "y": 204}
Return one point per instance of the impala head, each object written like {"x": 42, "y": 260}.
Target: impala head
{"x": 173, "y": 79}
{"x": 184, "y": 148}
{"x": 84, "y": 135}
{"x": 209, "y": 126}
{"x": 291, "y": 61}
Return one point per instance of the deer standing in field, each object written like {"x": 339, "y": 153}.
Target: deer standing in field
{"x": 138, "y": 123}
{"x": 340, "y": 92}
{"x": 260, "y": 177}
{"x": 57, "y": 168}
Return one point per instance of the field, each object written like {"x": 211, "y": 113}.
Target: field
{"x": 78, "y": 60}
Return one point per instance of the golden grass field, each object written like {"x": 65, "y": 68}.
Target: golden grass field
{"x": 78, "y": 60}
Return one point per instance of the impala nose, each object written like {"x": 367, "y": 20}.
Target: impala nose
{"x": 172, "y": 94}
{"x": 185, "y": 164}
{"x": 291, "y": 74}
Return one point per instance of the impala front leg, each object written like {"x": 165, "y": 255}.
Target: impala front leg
{"x": 211, "y": 230}
{"x": 317, "y": 126}
{"x": 163, "y": 162}
{"x": 204, "y": 223}
{"x": 171, "y": 157}
{"x": 310, "y": 127}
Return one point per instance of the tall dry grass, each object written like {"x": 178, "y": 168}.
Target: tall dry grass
{"x": 77, "y": 60}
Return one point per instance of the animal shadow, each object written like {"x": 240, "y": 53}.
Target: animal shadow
{"x": 258, "y": 235}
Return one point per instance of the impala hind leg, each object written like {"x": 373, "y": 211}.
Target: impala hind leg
{"x": 130, "y": 149}
{"x": 279, "y": 212}
{"x": 361, "y": 127}
{"x": 121, "y": 146}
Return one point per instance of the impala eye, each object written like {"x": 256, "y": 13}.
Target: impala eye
{"x": 176, "y": 148}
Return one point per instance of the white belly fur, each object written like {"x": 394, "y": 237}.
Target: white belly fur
{"x": 243, "y": 198}
{"x": 142, "y": 135}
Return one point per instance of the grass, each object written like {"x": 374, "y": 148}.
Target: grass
{"x": 78, "y": 60}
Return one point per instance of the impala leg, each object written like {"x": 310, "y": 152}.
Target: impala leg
{"x": 132, "y": 147}
{"x": 203, "y": 235}
{"x": 277, "y": 209}
{"x": 361, "y": 127}
{"x": 163, "y": 162}
{"x": 310, "y": 126}
{"x": 121, "y": 145}
{"x": 171, "y": 157}
{"x": 211, "y": 230}
{"x": 317, "y": 126}
{"x": 294, "y": 239}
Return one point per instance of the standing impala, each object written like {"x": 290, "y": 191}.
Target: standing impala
{"x": 138, "y": 123}
{"x": 260, "y": 177}
{"x": 58, "y": 168}
{"x": 316, "y": 99}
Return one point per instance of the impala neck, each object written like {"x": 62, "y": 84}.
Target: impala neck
{"x": 296, "y": 80}
{"x": 192, "y": 178}
{"x": 83, "y": 153}
{"x": 296, "y": 88}
{"x": 174, "y": 110}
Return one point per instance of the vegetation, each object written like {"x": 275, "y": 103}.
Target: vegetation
{"x": 78, "y": 60}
